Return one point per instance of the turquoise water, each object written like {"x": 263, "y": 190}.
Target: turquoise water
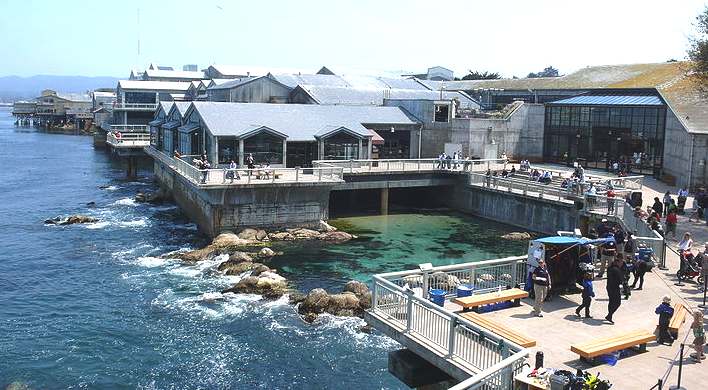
{"x": 96, "y": 307}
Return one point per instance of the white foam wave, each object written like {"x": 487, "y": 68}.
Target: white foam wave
{"x": 112, "y": 188}
{"x": 134, "y": 223}
{"x": 125, "y": 202}
{"x": 97, "y": 225}
{"x": 163, "y": 208}
{"x": 151, "y": 262}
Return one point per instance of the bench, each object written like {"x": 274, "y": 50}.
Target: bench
{"x": 500, "y": 329}
{"x": 588, "y": 351}
{"x": 679, "y": 317}
{"x": 476, "y": 300}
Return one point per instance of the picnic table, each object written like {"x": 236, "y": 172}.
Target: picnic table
{"x": 476, "y": 300}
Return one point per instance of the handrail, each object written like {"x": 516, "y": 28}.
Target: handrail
{"x": 131, "y": 128}
{"x": 123, "y": 105}
{"x": 482, "y": 377}
{"x": 454, "y": 267}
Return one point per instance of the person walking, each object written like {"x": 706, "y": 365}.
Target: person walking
{"x": 699, "y": 336}
{"x": 682, "y": 196}
{"x": 658, "y": 207}
{"x": 541, "y": 285}
{"x": 665, "y": 312}
{"x": 587, "y": 295}
{"x": 671, "y": 222}
{"x": 667, "y": 202}
{"x": 607, "y": 255}
{"x": 614, "y": 281}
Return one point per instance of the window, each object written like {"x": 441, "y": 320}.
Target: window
{"x": 341, "y": 146}
{"x": 228, "y": 150}
{"x": 265, "y": 148}
{"x": 442, "y": 112}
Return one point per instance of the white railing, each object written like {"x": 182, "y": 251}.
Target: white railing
{"x": 131, "y": 128}
{"x": 133, "y": 106}
{"x": 128, "y": 140}
{"x": 223, "y": 176}
{"x": 525, "y": 187}
{"x": 400, "y": 299}
{"x": 498, "y": 376}
{"x": 413, "y": 165}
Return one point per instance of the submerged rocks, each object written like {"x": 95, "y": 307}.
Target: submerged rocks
{"x": 517, "y": 236}
{"x": 266, "y": 252}
{"x": 355, "y": 298}
{"x": 338, "y": 236}
{"x": 158, "y": 196}
{"x": 73, "y": 219}
{"x": 268, "y": 284}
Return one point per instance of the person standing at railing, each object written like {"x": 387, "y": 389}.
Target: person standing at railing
{"x": 591, "y": 195}
{"x": 455, "y": 157}
{"x": 231, "y": 173}
{"x": 176, "y": 154}
{"x": 250, "y": 163}
{"x": 682, "y": 196}
{"x": 610, "y": 200}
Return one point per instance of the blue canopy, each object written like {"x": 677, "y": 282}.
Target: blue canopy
{"x": 567, "y": 240}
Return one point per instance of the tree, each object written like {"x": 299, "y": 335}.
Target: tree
{"x": 475, "y": 75}
{"x": 698, "y": 51}
{"x": 547, "y": 72}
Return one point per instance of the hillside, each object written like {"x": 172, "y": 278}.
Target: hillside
{"x": 16, "y": 88}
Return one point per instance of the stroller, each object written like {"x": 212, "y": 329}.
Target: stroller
{"x": 690, "y": 267}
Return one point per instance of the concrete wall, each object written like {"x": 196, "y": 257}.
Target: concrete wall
{"x": 529, "y": 213}
{"x": 222, "y": 208}
{"x": 520, "y": 135}
{"x": 685, "y": 154}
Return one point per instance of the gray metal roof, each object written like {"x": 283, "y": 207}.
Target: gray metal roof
{"x": 375, "y": 97}
{"x": 174, "y": 74}
{"x": 612, "y": 100}
{"x": 233, "y": 83}
{"x": 300, "y": 122}
{"x": 154, "y": 85}
{"x": 293, "y": 80}
{"x": 181, "y": 107}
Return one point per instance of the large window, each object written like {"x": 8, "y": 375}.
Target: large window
{"x": 602, "y": 134}
{"x": 167, "y": 145}
{"x": 341, "y": 146}
{"x": 140, "y": 97}
{"x": 228, "y": 150}
{"x": 265, "y": 148}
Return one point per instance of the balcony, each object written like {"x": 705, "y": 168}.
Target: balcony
{"x": 130, "y": 128}
{"x": 128, "y": 140}
{"x": 120, "y": 106}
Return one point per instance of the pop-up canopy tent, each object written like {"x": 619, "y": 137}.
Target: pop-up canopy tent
{"x": 562, "y": 255}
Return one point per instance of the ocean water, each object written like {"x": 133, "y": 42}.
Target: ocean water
{"x": 94, "y": 306}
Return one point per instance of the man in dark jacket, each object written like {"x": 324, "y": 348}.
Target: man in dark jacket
{"x": 657, "y": 206}
{"x": 614, "y": 293}
{"x": 665, "y": 312}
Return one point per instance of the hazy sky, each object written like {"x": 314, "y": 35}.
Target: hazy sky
{"x": 513, "y": 37}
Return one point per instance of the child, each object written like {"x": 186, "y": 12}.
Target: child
{"x": 671, "y": 221}
{"x": 700, "y": 336}
{"x": 665, "y": 312}
{"x": 588, "y": 294}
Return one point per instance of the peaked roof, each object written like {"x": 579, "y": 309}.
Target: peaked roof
{"x": 174, "y": 74}
{"x": 299, "y": 122}
{"x": 154, "y": 85}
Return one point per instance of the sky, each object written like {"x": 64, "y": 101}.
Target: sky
{"x": 512, "y": 37}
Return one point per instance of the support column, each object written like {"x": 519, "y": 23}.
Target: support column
{"x": 360, "y": 151}
{"x": 384, "y": 201}
{"x": 370, "y": 147}
{"x": 320, "y": 149}
{"x": 285, "y": 153}
{"x": 240, "y": 153}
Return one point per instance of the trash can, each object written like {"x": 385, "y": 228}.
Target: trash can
{"x": 437, "y": 296}
{"x": 645, "y": 253}
{"x": 464, "y": 290}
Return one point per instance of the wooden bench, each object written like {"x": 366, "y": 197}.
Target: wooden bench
{"x": 500, "y": 329}
{"x": 588, "y": 351}
{"x": 679, "y": 317}
{"x": 476, "y": 300}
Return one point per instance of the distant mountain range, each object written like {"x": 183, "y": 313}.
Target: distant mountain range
{"x": 18, "y": 88}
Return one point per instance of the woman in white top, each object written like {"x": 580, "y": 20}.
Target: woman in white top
{"x": 686, "y": 243}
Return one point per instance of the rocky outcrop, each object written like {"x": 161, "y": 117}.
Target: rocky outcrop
{"x": 266, "y": 283}
{"x": 266, "y": 252}
{"x": 517, "y": 236}
{"x": 73, "y": 219}
{"x": 325, "y": 227}
{"x": 353, "y": 301}
{"x": 158, "y": 196}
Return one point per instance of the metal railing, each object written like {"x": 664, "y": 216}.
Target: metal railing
{"x": 222, "y": 176}
{"x": 131, "y": 128}
{"x": 400, "y": 299}
{"x": 413, "y": 165}
{"x": 498, "y": 376}
{"x": 128, "y": 140}
{"x": 524, "y": 187}
{"x": 133, "y": 106}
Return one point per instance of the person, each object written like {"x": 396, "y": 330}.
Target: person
{"x": 541, "y": 285}
{"x": 513, "y": 170}
{"x": 231, "y": 173}
{"x": 686, "y": 243}
{"x": 455, "y": 157}
{"x": 441, "y": 159}
{"x": 665, "y": 312}
{"x": 603, "y": 228}
{"x": 658, "y": 207}
{"x": 448, "y": 162}
{"x": 699, "y": 336}
{"x": 624, "y": 267}
{"x": 204, "y": 166}
{"x": 703, "y": 257}
{"x": 610, "y": 200}
{"x": 614, "y": 281}
{"x": 671, "y": 222}
{"x": 609, "y": 249}
{"x": 204, "y": 156}
{"x": 119, "y": 136}
{"x": 590, "y": 195}
{"x": 504, "y": 173}
{"x": 250, "y": 162}
{"x": 672, "y": 206}
{"x": 667, "y": 202}
{"x": 587, "y": 295}
{"x": 177, "y": 154}
{"x": 682, "y": 196}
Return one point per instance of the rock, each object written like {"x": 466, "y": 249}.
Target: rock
{"x": 356, "y": 287}
{"x": 230, "y": 267}
{"x": 316, "y": 302}
{"x": 158, "y": 196}
{"x": 259, "y": 269}
{"x": 348, "y": 304}
{"x": 305, "y": 234}
{"x": 345, "y": 304}
{"x": 228, "y": 240}
{"x": 282, "y": 236}
{"x": 70, "y": 220}
{"x": 91, "y": 204}
{"x": 517, "y": 236}
{"x": 248, "y": 234}
{"x": 338, "y": 236}
{"x": 368, "y": 329}
{"x": 197, "y": 255}
{"x": 309, "y": 317}
{"x": 266, "y": 252}
{"x": 17, "y": 385}
{"x": 261, "y": 235}
{"x": 269, "y": 284}
{"x": 296, "y": 297}
{"x": 325, "y": 227}
{"x": 237, "y": 257}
